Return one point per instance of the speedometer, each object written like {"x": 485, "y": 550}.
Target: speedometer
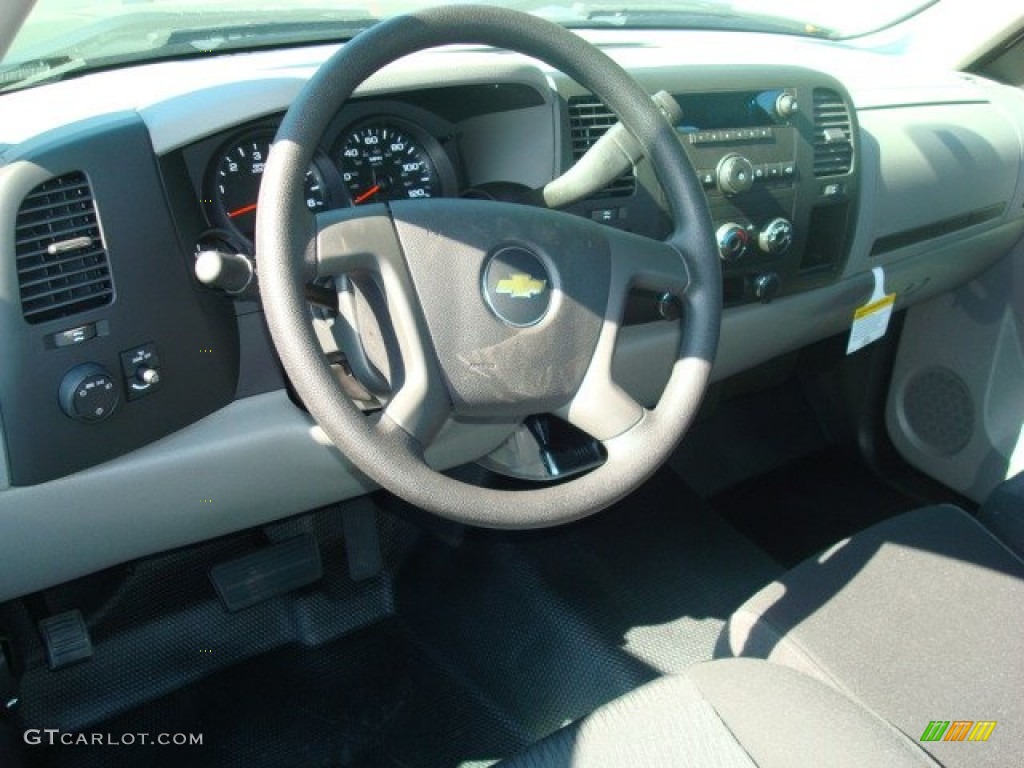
{"x": 382, "y": 160}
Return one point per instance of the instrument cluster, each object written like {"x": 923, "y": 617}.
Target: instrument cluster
{"x": 373, "y": 152}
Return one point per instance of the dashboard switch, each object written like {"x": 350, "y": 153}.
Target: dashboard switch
{"x": 73, "y": 336}
{"x": 88, "y": 393}
{"x": 766, "y": 286}
{"x": 140, "y": 366}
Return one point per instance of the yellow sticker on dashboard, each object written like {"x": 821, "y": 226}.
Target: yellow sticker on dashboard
{"x": 871, "y": 321}
{"x": 876, "y": 306}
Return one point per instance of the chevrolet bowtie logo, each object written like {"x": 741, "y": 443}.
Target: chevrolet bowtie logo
{"x": 521, "y": 286}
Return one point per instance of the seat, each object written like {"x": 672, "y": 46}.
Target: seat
{"x": 733, "y": 713}
{"x": 886, "y": 649}
{"x": 918, "y": 619}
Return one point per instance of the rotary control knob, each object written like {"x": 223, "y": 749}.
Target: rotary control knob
{"x": 88, "y": 393}
{"x": 732, "y": 241}
{"x": 776, "y": 237}
{"x": 766, "y": 286}
{"x": 735, "y": 174}
{"x": 786, "y": 105}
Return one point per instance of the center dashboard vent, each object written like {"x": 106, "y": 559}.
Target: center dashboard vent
{"x": 833, "y": 136}
{"x": 62, "y": 261}
{"x": 589, "y": 119}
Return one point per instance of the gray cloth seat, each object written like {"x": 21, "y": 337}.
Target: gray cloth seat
{"x": 733, "y": 713}
{"x": 918, "y": 619}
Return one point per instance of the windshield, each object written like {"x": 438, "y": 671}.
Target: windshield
{"x": 61, "y": 37}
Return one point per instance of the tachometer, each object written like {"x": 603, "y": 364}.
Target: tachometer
{"x": 236, "y": 183}
{"x": 383, "y": 160}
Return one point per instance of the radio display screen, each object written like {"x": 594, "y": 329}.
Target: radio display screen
{"x": 728, "y": 109}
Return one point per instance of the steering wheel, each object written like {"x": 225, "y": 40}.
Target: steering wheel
{"x": 499, "y": 310}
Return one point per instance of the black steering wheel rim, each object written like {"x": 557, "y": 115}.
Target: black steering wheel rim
{"x": 286, "y": 240}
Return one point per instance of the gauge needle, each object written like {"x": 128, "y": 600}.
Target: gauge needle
{"x": 367, "y": 194}
{"x": 241, "y": 211}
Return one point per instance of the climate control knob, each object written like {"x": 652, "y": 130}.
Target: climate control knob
{"x": 88, "y": 393}
{"x": 732, "y": 241}
{"x": 735, "y": 174}
{"x": 776, "y": 237}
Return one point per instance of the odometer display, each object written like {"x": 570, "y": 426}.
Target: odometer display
{"x": 382, "y": 161}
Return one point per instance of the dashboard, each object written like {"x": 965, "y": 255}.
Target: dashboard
{"x": 143, "y": 410}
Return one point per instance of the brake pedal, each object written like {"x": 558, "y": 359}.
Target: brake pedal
{"x": 66, "y": 639}
{"x": 272, "y": 571}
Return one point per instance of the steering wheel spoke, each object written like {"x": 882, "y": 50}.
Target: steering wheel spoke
{"x": 601, "y": 408}
{"x": 354, "y": 241}
{"x": 640, "y": 262}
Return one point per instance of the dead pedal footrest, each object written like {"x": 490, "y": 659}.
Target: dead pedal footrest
{"x": 270, "y": 572}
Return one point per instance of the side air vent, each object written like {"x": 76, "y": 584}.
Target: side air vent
{"x": 833, "y": 140}
{"x": 589, "y": 119}
{"x": 62, "y": 262}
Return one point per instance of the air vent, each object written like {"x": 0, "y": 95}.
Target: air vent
{"x": 62, "y": 263}
{"x": 589, "y": 119}
{"x": 833, "y": 142}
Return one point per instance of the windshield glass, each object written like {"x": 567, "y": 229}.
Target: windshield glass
{"x": 65, "y": 36}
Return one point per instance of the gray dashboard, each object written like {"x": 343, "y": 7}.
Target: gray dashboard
{"x": 933, "y": 194}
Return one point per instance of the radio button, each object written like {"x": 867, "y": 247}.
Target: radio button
{"x": 786, "y": 105}
{"x": 735, "y": 174}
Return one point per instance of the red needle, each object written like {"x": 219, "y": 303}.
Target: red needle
{"x": 241, "y": 211}
{"x": 367, "y": 194}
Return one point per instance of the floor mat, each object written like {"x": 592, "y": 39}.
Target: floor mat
{"x": 659, "y": 573}
{"x": 371, "y": 699}
{"x": 555, "y": 623}
{"x": 799, "y": 509}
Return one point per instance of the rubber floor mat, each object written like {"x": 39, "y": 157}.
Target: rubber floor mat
{"x": 371, "y": 699}
{"x": 658, "y": 573}
{"x": 555, "y": 623}
{"x": 807, "y": 505}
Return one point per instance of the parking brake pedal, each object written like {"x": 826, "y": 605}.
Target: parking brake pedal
{"x": 66, "y": 639}
{"x": 270, "y": 572}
